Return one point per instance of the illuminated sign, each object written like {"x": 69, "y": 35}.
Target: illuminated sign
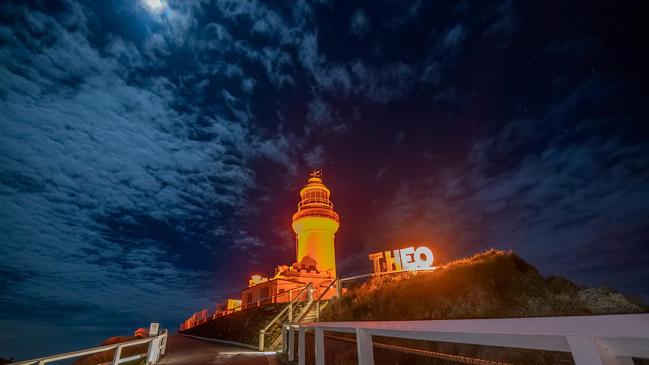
{"x": 407, "y": 258}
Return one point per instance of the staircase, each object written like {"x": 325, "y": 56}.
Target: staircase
{"x": 312, "y": 314}
{"x": 305, "y": 311}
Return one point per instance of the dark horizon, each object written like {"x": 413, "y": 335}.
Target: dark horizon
{"x": 152, "y": 152}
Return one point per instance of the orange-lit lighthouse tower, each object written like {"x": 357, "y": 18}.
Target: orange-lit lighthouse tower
{"x": 315, "y": 223}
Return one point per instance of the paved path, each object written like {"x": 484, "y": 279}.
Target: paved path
{"x": 188, "y": 351}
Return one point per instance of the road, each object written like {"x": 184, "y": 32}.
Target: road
{"x": 188, "y": 351}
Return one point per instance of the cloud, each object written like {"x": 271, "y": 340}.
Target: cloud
{"x": 360, "y": 24}
{"x": 315, "y": 157}
{"x": 505, "y": 21}
{"x": 548, "y": 187}
{"x": 454, "y": 36}
{"x": 104, "y": 176}
{"x": 319, "y": 113}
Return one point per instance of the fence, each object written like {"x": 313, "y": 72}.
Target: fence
{"x": 592, "y": 340}
{"x": 157, "y": 346}
{"x": 189, "y": 323}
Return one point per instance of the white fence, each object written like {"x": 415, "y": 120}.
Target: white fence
{"x": 592, "y": 340}
{"x": 156, "y": 348}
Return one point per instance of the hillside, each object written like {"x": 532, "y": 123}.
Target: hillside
{"x": 240, "y": 326}
{"x": 493, "y": 284}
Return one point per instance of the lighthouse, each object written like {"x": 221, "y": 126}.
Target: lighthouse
{"x": 315, "y": 225}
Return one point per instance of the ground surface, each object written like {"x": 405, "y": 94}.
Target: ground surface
{"x": 187, "y": 351}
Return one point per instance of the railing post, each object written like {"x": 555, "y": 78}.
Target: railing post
{"x": 339, "y": 289}
{"x": 365, "y": 347}
{"x": 587, "y": 351}
{"x": 163, "y": 347}
{"x": 290, "y": 312}
{"x": 301, "y": 346}
{"x": 291, "y": 343}
{"x": 319, "y": 346}
{"x": 117, "y": 354}
{"x": 262, "y": 333}
{"x": 310, "y": 293}
{"x": 284, "y": 331}
{"x": 152, "y": 353}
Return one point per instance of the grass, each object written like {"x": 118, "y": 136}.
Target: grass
{"x": 240, "y": 326}
{"x": 493, "y": 284}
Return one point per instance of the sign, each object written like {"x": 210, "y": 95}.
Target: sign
{"x": 407, "y": 258}
{"x": 153, "y": 329}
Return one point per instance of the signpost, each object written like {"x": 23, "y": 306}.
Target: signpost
{"x": 407, "y": 258}
{"x": 153, "y": 329}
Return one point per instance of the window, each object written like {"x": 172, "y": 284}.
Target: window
{"x": 249, "y": 298}
{"x": 264, "y": 293}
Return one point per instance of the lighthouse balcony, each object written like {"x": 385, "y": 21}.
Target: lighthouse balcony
{"x": 317, "y": 212}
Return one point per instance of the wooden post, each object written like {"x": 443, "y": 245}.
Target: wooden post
{"x": 586, "y": 351}
{"x": 301, "y": 347}
{"x": 319, "y": 346}
{"x": 284, "y": 331}
{"x": 365, "y": 347}
{"x": 262, "y": 334}
{"x": 163, "y": 347}
{"x": 291, "y": 344}
{"x": 151, "y": 357}
{"x": 339, "y": 289}
{"x": 117, "y": 354}
{"x": 290, "y": 312}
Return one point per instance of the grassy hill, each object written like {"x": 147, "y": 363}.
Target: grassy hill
{"x": 493, "y": 284}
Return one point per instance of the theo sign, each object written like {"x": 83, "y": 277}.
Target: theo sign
{"x": 407, "y": 258}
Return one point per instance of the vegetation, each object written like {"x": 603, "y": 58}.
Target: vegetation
{"x": 493, "y": 284}
{"x": 240, "y": 326}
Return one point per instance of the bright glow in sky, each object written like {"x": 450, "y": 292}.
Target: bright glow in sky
{"x": 154, "y": 5}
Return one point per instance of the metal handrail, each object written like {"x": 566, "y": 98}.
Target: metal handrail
{"x": 157, "y": 347}
{"x": 315, "y": 201}
{"x": 242, "y": 307}
{"x": 289, "y": 307}
{"x": 309, "y": 286}
{"x": 344, "y": 280}
{"x": 316, "y": 302}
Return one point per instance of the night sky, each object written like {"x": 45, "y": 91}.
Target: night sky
{"x": 151, "y": 152}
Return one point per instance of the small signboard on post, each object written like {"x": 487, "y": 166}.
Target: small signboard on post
{"x": 153, "y": 329}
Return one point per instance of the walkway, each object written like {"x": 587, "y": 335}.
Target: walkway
{"x": 187, "y": 351}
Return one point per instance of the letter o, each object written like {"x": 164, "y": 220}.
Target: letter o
{"x": 424, "y": 263}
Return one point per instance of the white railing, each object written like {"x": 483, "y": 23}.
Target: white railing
{"x": 157, "y": 347}
{"x": 592, "y": 340}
